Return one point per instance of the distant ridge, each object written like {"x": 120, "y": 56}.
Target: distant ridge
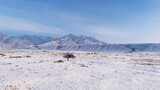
{"x": 71, "y": 42}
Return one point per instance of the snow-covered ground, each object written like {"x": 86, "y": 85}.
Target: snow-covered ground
{"x": 39, "y": 70}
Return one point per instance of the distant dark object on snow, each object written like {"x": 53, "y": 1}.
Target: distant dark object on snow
{"x": 1, "y": 54}
{"x": 59, "y": 61}
{"x": 68, "y": 56}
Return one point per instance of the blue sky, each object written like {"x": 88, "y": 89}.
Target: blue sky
{"x": 113, "y": 21}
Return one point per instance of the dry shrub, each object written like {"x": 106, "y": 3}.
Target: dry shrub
{"x": 15, "y": 57}
{"x": 59, "y": 61}
{"x": 28, "y": 56}
{"x": 1, "y": 54}
{"x": 91, "y": 53}
{"x": 68, "y": 56}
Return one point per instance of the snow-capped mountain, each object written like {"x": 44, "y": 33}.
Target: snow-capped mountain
{"x": 81, "y": 43}
{"x": 21, "y": 42}
{"x": 70, "y": 42}
{"x": 84, "y": 43}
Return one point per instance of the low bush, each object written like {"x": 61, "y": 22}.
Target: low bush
{"x": 68, "y": 56}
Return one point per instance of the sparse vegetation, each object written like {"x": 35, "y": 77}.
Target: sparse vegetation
{"x": 15, "y": 57}
{"x": 28, "y": 56}
{"x": 59, "y": 61}
{"x": 11, "y": 87}
{"x": 82, "y": 65}
{"x": 1, "y": 54}
{"x": 91, "y": 53}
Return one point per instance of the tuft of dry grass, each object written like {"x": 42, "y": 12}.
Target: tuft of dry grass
{"x": 18, "y": 85}
{"x": 11, "y": 87}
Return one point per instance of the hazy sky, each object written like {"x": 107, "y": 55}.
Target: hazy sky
{"x": 114, "y": 21}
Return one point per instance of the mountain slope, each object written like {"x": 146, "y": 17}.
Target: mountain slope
{"x": 36, "y": 40}
{"x": 143, "y": 47}
{"x": 81, "y": 43}
{"x": 3, "y": 37}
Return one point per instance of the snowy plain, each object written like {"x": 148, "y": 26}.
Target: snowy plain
{"x": 40, "y": 70}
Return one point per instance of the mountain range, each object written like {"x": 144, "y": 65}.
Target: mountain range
{"x": 71, "y": 42}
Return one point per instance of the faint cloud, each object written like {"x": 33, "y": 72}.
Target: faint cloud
{"x": 11, "y": 23}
